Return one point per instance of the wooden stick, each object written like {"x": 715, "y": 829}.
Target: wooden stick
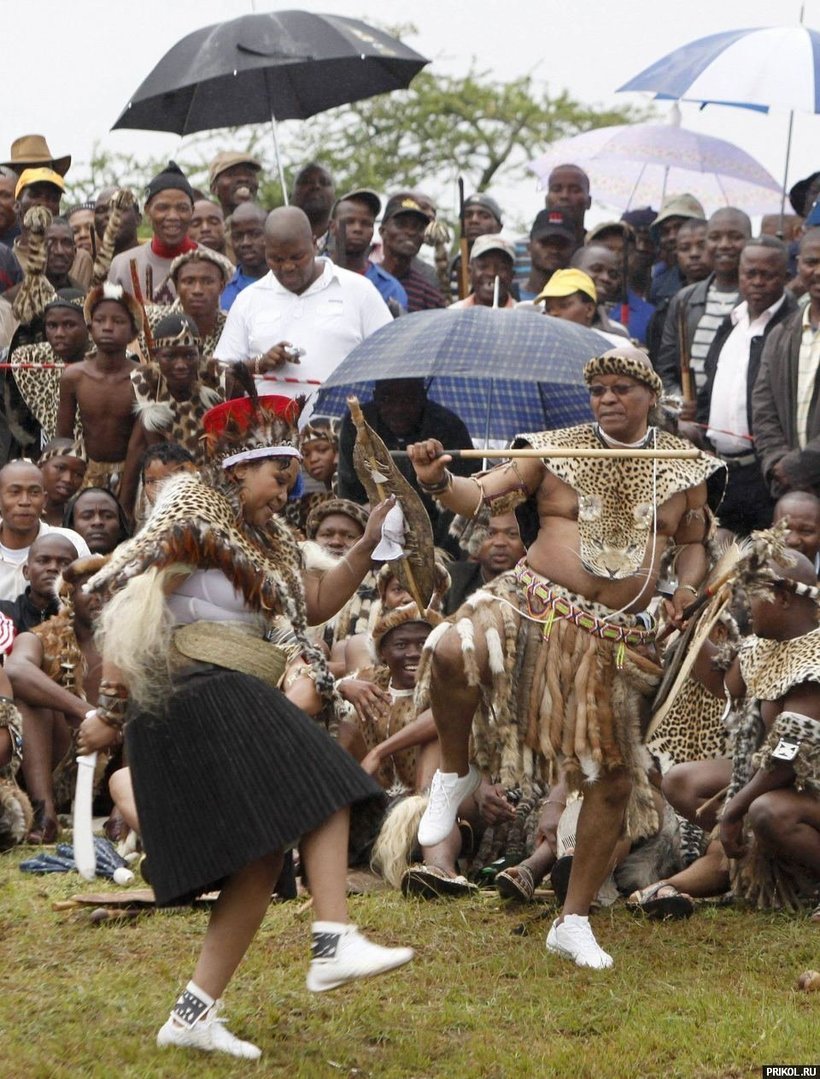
{"x": 714, "y": 801}
{"x": 463, "y": 248}
{"x": 146, "y": 327}
{"x": 557, "y": 451}
{"x": 687, "y": 381}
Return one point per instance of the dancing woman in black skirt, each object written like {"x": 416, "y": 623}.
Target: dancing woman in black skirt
{"x": 227, "y": 773}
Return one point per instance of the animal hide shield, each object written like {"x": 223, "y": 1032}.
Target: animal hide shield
{"x": 381, "y": 478}
{"x": 713, "y": 598}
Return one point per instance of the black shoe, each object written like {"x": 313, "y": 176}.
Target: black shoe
{"x": 559, "y": 878}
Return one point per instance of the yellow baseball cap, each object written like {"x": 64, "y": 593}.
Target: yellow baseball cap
{"x": 565, "y": 282}
{"x": 38, "y": 176}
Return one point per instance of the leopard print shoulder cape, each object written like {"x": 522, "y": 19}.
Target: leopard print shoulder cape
{"x": 770, "y": 668}
{"x": 617, "y": 498}
{"x": 201, "y": 525}
{"x": 39, "y": 388}
{"x": 178, "y": 421}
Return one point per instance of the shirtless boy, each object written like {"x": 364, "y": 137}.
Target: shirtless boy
{"x": 99, "y": 390}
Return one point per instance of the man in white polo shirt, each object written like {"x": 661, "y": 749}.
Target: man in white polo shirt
{"x": 22, "y": 496}
{"x": 305, "y": 302}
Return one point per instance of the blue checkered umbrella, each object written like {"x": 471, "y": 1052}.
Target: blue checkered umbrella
{"x": 501, "y": 371}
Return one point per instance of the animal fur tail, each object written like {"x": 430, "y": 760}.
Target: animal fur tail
{"x": 121, "y": 201}
{"x": 16, "y": 817}
{"x": 393, "y": 849}
{"x": 36, "y": 290}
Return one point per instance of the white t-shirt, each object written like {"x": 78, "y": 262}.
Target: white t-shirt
{"x": 327, "y": 320}
{"x": 12, "y": 560}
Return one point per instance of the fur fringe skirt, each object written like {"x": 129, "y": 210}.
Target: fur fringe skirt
{"x": 230, "y": 772}
{"x": 558, "y": 694}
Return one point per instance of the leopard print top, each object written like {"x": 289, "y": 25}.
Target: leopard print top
{"x": 176, "y": 421}
{"x": 617, "y": 498}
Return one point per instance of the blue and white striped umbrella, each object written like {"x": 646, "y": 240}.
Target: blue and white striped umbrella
{"x": 501, "y": 371}
{"x": 761, "y": 68}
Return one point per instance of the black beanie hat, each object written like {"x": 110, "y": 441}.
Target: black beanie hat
{"x": 171, "y": 177}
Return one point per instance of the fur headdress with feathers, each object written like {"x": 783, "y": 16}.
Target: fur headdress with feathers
{"x": 247, "y": 428}
{"x": 116, "y": 294}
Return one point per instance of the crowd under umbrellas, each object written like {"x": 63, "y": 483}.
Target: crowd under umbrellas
{"x": 246, "y": 455}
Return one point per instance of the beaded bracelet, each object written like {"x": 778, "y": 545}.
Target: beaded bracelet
{"x": 436, "y": 489}
{"x": 114, "y": 689}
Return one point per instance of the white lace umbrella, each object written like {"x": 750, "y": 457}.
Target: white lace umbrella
{"x": 637, "y": 164}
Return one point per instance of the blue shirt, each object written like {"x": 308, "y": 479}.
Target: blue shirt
{"x": 238, "y": 282}
{"x": 666, "y": 281}
{"x": 640, "y": 312}
{"x": 390, "y": 288}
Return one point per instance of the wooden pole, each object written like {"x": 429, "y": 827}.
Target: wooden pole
{"x": 146, "y": 326}
{"x": 463, "y": 247}
{"x": 687, "y": 382}
{"x": 558, "y": 451}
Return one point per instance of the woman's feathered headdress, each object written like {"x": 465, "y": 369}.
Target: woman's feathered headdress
{"x": 251, "y": 427}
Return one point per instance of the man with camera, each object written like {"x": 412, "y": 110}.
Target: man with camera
{"x": 295, "y": 325}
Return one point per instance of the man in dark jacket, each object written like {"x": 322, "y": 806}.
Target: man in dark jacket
{"x": 731, "y": 367}
{"x": 500, "y": 550}
{"x": 785, "y": 404}
{"x": 401, "y": 413}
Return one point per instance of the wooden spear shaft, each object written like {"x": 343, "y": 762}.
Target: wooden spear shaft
{"x": 558, "y": 451}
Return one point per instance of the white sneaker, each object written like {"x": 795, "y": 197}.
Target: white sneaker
{"x": 209, "y": 1034}
{"x": 447, "y": 791}
{"x": 342, "y": 956}
{"x": 574, "y": 939}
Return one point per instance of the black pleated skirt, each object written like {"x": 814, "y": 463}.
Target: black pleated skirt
{"x": 232, "y": 771}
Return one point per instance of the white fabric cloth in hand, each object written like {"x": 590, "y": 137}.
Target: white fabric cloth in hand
{"x": 391, "y": 545}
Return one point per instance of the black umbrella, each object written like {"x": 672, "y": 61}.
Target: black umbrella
{"x": 280, "y": 65}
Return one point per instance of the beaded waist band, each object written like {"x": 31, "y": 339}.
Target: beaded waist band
{"x": 547, "y": 602}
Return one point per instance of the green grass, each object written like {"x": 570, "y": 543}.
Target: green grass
{"x": 711, "y": 998}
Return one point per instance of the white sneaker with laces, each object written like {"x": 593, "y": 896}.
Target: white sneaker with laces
{"x": 341, "y": 954}
{"x": 447, "y": 791}
{"x": 208, "y": 1034}
{"x": 574, "y": 939}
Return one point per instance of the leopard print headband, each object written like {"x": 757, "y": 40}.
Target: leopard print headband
{"x": 623, "y": 365}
